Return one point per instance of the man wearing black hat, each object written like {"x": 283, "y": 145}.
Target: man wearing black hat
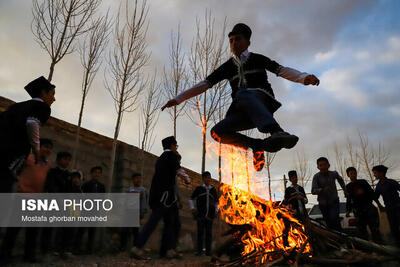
{"x": 253, "y": 102}
{"x": 163, "y": 201}
{"x": 19, "y": 130}
{"x": 389, "y": 190}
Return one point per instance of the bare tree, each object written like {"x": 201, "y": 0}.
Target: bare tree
{"x": 90, "y": 52}
{"x": 175, "y": 78}
{"x": 353, "y": 158}
{"x": 217, "y": 117}
{"x": 341, "y": 161}
{"x": 57, "y": 23}
{"x": 370, "y": 156}
{"x": 302, "y": 168}
{"x": 149, "y": 114}
{"x": 126, "y": 63}
{"x": 207, "y": 52}
{"x": 269, "y": 158}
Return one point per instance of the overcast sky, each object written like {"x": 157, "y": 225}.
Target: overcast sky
{"x": 352, "y": 46}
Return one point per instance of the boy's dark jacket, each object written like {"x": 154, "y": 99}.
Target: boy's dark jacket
{"x": 200, "y": 195}
{"x": 58, "y": 181}
{"x": 14, "y": 141}
{"x": 162, "y": 190}
{"x": 93, "y": 186}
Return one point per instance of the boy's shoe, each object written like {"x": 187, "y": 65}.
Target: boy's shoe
{"x": 138, "y": 254}
{"x": 280, "y": 140}
{"x": 172, "y": 254}
{"x": 258, "y": 159}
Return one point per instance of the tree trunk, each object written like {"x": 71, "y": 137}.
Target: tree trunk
{"x": 269, "y": 177}
{"x": 78, "y": 130}
{"x": 113, "y": 151}
{"x": 51, "y": 71}
{"x": 175, "y": 121}
{"x": 203, "y": 156}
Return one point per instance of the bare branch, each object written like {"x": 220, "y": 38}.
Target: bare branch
{"x": 57, "y": 24}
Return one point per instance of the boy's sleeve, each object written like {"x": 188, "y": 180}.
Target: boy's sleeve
{"x": 340, "y": 180}
{"x": 217, "y": 75}
{"x": 270, "y": 65}
{"x": 348, "y": 200}
{"x": 315, "y": 189}
{"x": 304, "y": 194}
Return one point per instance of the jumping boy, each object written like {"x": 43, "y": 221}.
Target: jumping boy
{"x": 253, "y": 102}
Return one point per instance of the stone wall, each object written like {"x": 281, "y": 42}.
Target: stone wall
{"x": 95, "y": 149}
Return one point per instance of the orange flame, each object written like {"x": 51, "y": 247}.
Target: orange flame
{"x": 240, "y": 204}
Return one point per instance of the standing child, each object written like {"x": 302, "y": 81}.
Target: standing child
{"x": 163, "y": 202}
{"x": 295, "y": 197}
{"x": 389, "y": 190}
{"x": 137, "y": 188}
{"x": 31, "y": 180}
{"x": 57, "y": 181}
{"x": 205, "y": 210}
{"x": 253, "y": 102}
{"x": 91, "y": 186}
{"x": 324, "y": 185}
{"x": 20, "y": 130}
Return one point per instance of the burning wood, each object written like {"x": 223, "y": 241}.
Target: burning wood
{"x": 269, "y": 233}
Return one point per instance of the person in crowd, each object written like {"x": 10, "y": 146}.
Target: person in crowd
{"x": 31, "y": 180}
{"x": 324, "y": 185}
{"x": 295, "y": 197}
{"x": 163, "y": 202}
{"x": 20, "y": 130}
{"x": 136, "y": 188}
{"x": 92, "y": 186}
{"x": 253, "y": 102}
{"x": 359, "y": 200}
{"x": 205, "y": 210}
{"x": 76, "y": 182}
{"x": 57, "y": 181}
{"x": 389, "y": 190}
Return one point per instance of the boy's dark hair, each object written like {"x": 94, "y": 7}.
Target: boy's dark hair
{"x": 93, "y": 169}
{"x": 46, "y": 141}
{"x": 380, "y": 168}
{"x": 349, "y": 169}
{"x": 168, "y": 142}
{"x": 292, "y": 174}
{"x": 63, "y": 155}
{"x": 76, "y": 174}
{"x": 322, "y": 159}
{"x": 206, "y": 174}
{"x": 136, "y": 174}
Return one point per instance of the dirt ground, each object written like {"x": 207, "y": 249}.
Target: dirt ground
{"x": 120, "y": 260}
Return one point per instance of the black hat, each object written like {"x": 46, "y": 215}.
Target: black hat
{"x": 36, "y": 86}
{"x": 168, "y": 141}
{"x": 242, "y": 29}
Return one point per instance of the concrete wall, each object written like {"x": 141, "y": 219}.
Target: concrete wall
{"x": 95, "y": 149}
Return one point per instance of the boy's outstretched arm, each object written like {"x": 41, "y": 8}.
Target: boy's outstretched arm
{"x": 199, "y": 88}
{"x": 297, "y": 76}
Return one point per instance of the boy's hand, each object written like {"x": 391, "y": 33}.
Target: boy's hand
{"x": 169, "y": 104}
{"x": 311, "y": 79}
